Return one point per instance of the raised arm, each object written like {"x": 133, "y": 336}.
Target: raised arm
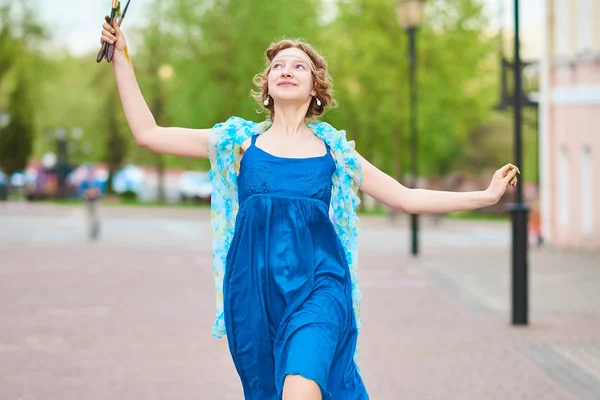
{"x": 167, "y": 140}
{"x": 387, "y": 190}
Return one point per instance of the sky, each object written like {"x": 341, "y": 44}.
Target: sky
{"x": 76, "y": 24}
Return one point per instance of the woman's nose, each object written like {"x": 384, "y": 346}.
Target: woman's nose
{"x": 285, "y": 71}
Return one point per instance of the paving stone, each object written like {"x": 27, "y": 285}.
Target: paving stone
{"x": 129, "y": 316}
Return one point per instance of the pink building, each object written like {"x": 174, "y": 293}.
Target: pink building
{"x": 570, "y": 124}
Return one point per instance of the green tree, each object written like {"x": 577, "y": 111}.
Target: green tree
{"x": 16, "y": 139}
{"x": 369, "y": 60}
{"x": 8, "y": 46}
{"x": 154, "y": 72}
{"x": 20, "y": 32}
{"x": 19, "y": 35}
{"x": 219, "y": 47}
{"x": 458, "y": 81}
{"x": 215, "y": 48}
{"x": 116, "y": 144}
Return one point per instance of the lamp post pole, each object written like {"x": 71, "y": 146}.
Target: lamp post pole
{"x": 414, "y": 218}
{"x": 62, "y": 166}
{"x": 518, "y": 210}
{"x": 410, "y": 16}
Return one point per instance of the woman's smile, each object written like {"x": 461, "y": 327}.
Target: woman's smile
{"x": 286, "y": 83}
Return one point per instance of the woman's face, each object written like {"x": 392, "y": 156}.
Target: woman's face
{"x": 290, "y": 78}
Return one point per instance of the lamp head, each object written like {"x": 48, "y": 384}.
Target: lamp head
{"x": 410, "y": 13}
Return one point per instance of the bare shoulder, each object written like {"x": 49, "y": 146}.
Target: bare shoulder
{"x": 246, "y": 143}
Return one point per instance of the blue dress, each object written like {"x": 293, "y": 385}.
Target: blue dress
{"x": 287, "y": 288}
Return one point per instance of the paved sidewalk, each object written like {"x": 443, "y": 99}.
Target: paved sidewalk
{"x": 129, "y": 317}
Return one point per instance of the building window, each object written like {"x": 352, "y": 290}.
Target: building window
{"x": 587, "y": 189}
{"x": 563, "y": 187}
{"x": 562, "y": 28}
{"x": 584, "y": 25}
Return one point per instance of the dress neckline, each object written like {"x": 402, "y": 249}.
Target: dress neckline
{"x": 253, "y": 144}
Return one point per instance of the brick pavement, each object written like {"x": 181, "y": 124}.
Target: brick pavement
{"x": 129, "y": 317}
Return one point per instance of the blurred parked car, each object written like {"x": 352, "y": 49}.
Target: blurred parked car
{"x": 3, "y": 188}
{"x": 18, "y": 179}
{"x": 194, "y": 186}
{"x": 41, "y": 183}
{"x": 129, "y": 179}
{"x": 18, "y": 182}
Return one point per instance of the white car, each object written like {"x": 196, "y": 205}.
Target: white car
{"x": 194, "y": 185}
{"x": 129, "y": 179}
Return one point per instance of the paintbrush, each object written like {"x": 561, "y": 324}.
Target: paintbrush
{"x": 103, "y": 51}
{"x": 111, "y": 47}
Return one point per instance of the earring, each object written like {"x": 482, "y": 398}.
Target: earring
{"x": 266, "y": 102}
{"x": 318, "y": 102}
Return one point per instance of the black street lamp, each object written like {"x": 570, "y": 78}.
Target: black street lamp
{"x": 410, "y": 16}
{"x": 62, "y": 165}
{"x": 518, "y": 210}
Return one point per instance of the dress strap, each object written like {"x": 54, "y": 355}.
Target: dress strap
{"x": 253, "y": 140}
{"x": 327, "y": 147}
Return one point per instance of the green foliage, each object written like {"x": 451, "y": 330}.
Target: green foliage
{"x": 368, "y": 63}
{"x": 8, "y": 46}
{"x": 215, "y": 48}
{"x": 220, "y": 46}
{"x": 129, "y": 196}
{"x": 19, "y": 33}
{"x": 73, "y": 93}
{"x": 458, "y": 82}
{"x": 16, "y": 139}
{"x": 491, "y": 145}
{"x": 116, "y": 144}
{"x": 455, "y": 81}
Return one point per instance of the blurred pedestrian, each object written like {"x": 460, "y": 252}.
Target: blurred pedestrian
{"x": 285, "y": 273}
{"x": 91, "y": 190}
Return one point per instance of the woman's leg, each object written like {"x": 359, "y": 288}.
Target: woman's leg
{"x": 296, "y": 387}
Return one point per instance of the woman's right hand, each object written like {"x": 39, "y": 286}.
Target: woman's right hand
{"x": 113, "y": 35}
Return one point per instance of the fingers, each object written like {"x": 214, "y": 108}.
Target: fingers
{"x": 509, "y": 167}
{"x": 512, "y": 178}
{"x": 108, "y": 37}
{"x": 108, "y": 32}
{"x": 116, "y": 25}
{"x": 507, "y": 174}
{"x": 510, "y": 175}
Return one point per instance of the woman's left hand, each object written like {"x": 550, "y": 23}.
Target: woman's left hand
{"x": 502, "y": 178}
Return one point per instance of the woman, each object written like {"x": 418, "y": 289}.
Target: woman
{"x": 285, "y": 275}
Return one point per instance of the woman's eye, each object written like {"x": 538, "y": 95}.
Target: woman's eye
{"x": 276, "y": 66}
{"x": 299, "y": 66}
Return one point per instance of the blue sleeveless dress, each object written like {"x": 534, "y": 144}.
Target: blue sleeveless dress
{"x": 287, "y": 287}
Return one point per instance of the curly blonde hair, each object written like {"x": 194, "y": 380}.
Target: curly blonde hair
{"x": 322, "y": 81}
